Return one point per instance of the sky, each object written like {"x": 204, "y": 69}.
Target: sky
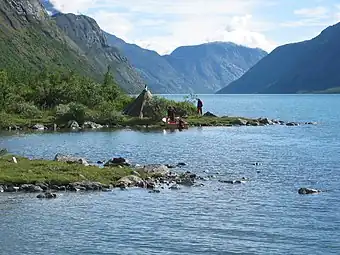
{"x": 163, "y": 25}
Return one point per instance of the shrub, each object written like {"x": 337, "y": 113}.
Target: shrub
{"x": 72, "y": 111}
{"x": 106, "y": 113}
{"x": 24, "y": 109}
{"x": 157, "y": 108}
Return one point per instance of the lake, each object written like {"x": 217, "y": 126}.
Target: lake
{"x": 263, "y": 216}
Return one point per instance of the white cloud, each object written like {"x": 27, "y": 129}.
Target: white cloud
{"x": 320, "y": 16}
{"x": 163, "y": 25}
{"x": 315, "y": 13}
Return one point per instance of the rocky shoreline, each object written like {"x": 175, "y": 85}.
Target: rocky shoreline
{"x": 207, "y": 120}
{"x": 152, "y": 177}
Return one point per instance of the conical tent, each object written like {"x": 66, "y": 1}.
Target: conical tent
{"x": 135, "y": 109}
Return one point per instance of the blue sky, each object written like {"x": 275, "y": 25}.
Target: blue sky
{"x": 163, "y": 25}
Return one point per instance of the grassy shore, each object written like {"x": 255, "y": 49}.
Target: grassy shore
{"x": 8, "y": 120}
{"x": 28, "y": 171}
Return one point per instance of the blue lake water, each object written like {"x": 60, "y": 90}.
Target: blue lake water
{"x": 264, "y": 216}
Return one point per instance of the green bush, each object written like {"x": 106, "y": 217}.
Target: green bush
{"x": 72, "y": 111}
{"x": 156, "y": 109}
{"x": 24, "y": 109}
{"x": 106, "y": 113}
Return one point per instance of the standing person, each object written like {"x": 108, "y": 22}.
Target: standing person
{"x": 171, "y": 113}
{"x": 199, "y": 106}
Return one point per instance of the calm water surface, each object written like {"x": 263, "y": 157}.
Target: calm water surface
{"x": 263, "y": 216}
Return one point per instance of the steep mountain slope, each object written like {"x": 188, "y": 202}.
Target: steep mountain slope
{"x": 201, "y": 69}
{"x": 86, "y": 33}
{"x": 213, "y": 65}
{"x": 309, "y": 66}
{"x": 155, "y": 69}
{"x": 30, "y": 40}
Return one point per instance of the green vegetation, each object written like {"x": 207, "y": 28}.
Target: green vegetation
{"x": 56, "y": 96}
{"x": 55, "y": 173}
{"x": 217, "y": 121}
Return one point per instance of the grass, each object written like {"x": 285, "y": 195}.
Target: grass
{"x": 216, "y": 121}
{"x": 28, "y": 171}
{"x": 7, "y": 120}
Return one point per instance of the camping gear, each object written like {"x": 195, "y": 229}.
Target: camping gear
{"x": 135, "y": 109}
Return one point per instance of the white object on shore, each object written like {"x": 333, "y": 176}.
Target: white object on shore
{"x": 164, "y": 120}
{"x": 15, "y": 160}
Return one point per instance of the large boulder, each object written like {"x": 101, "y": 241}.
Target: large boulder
{"x": 39, "y": 127}
{"x": 71, "y": 159}
{"x": 92, "y": 125}
{"x": 31, "y": 188}
{"x": 155, "y": 169}
{"x": 130, "y": 181}
{"x": 265, "y": 121}
{"x": 3, "y": 152}
{"x": 305, "y": 191}
{"x": 114, "y": 162}
{"x": 47, "y": 195}
{"x": 241, "y": 122}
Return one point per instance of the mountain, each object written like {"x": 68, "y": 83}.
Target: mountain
{"x": 203, "y": 68}
{"x": 31, "y": 40}
{"x": 306, "y": 67}
{"x": 88, "y": 36}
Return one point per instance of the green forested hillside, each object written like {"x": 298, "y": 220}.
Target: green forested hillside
{"x": 31, "y": 40}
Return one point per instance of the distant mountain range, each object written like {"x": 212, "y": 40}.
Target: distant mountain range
{"x": 32, "y": 40}
{"x": 201, "y": 68}
{"x": 311, "y": 66}
{"x": 79, "y": 43}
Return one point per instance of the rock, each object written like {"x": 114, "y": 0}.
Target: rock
{"x": 305, "y": 191}
{"x": 55, "y": 187}
{"x": 209, "y": 114}
{"x": 130, "y": 181}
{"x": 71, "y": 159}
{"x": 100, "y": 162}
{"x": 73, "y": 124}
{"x": 155, "y": 169}
{"x": 135, "y": 173}
{"x": 50, "y": 195}
{"x": 265, "y": 121}
{"x": 114, "y": 162}
{"x": 292, "y": 124}
{"x": 31, "y": 188}
{"x": 92, "y": 125}
{"x": 233, "y": 181}
{"x": 253, "y": 123}
{"x": 186, "y": 182}
{"x": 11, "y": 188}
{"x": 62, "y": 188}
{"x": 47, "y": 195}
{"x": 170, "y": 166}
{"x": 150, "y": 185}
{"x": 241, "y": 122}
{"x": 175, "y": 187}
{"x": 181, "y": 164}
{"x": 41, "y": 196}
{"x": 154, "y": 191}
{"x": 39, "y": 127}
{"x": 86, "y": 186}
{"x": 43, "y": 186}
{"x": 1, "y": 189}
{"x": 3, "y": 152}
